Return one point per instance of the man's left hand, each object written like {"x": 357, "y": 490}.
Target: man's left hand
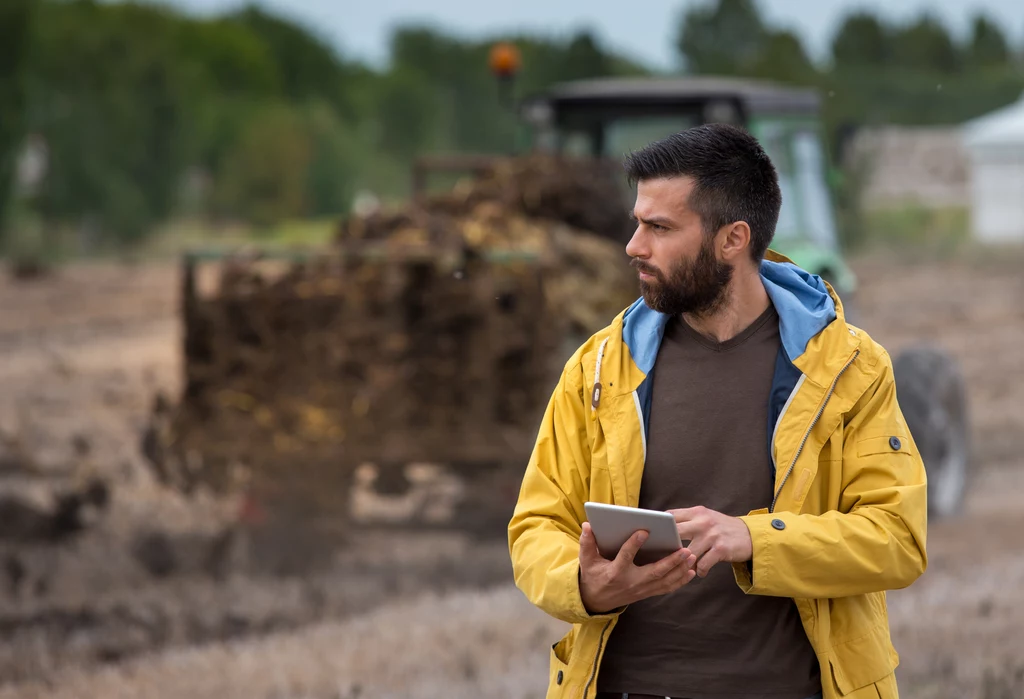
{"x": 713, "y": 537}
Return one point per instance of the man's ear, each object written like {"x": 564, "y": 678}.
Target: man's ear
{"x": 734, "y": 241}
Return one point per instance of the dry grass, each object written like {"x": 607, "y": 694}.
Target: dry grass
{"x": 469, "y": 644}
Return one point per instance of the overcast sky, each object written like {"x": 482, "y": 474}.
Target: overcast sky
{"x": 360, "y": 28}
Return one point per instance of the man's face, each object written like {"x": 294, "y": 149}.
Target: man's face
{"x": 677, "y": 263}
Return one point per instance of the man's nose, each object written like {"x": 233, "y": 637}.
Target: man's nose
{"x": 637, "y": 245}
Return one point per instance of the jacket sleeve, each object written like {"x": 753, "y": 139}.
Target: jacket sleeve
{"x": 875, "y": 540}
{"x": 545, "y": 530}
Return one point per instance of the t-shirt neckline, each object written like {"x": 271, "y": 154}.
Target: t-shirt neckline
{"x": 734, "y": 341}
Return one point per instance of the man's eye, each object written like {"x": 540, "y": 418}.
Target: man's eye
{"x": 658, "y": 227}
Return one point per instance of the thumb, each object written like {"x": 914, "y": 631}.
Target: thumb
{"x": 588, "y": 544}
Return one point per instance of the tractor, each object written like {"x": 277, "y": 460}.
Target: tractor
{"x": 601, "y": 120}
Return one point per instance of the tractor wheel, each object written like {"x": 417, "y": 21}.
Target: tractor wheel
{"x": 933, "y": 398}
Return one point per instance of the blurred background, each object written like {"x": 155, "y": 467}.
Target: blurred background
{"x": 286, "y": 286}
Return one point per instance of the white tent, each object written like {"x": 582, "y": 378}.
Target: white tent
{"x": 995, "y": 143}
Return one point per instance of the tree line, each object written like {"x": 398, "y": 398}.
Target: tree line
{"x": 140, "y": 113}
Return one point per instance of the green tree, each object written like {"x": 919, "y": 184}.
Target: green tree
{"x": 584, "y": 58}
{"x": 729, "y": 37}
{"x": 308, "y": 66}
{"x": 334, "y": 168}
{"x": 925, "y": 45}
{"x": 784, "y": 59}
{"x": 457, "y": 92}
{"x": 435, "y": 56}
{"x": 409, "y": 113}
{"x": 861, "y": 41}
{"x": 913, "y": 74}
{"x": 227, "y": 57}
{"x": 725, "y": 37}
{"x": 15, "y": 28}
{"x": 264, "y": 176}
{"x": 231, "y": 73}
{"x": 987, "y": 46}
{"x": 108, "y": 102}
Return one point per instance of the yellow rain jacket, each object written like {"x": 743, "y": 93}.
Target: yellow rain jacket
{"x": 850, "y": 486}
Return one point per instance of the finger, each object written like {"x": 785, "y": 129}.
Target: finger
{"x": 661, "y": 568}
{"x": 709, "y": 559}
{"x": 689, "y": 530}
{"x": 686, "y": 577}
{"x": 676, "y": 579}
{"x": 589, "y": 552}
{"x": 700, "y": 546}
{"x": 629, "y": 549}
{"x": 685, "y": 514}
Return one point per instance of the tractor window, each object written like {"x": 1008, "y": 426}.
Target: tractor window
{"x": 577, "y": 144}
{"x": 621, "y": 136}
{"x": 810, "y": 167}
{"x": 612, "y": 133}
{"x": 776, "y": 145}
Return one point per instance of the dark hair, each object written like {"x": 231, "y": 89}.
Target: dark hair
{"x": 734, "y": 178}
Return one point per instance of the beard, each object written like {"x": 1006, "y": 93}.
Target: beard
{"x": 695, "y": 286}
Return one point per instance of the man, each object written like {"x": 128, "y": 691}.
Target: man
{"x": 735, "y": 395}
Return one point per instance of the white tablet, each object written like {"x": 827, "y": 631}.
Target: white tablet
{"x": 614, "y": 524}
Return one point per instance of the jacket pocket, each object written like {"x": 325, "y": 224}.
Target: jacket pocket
{"x": 883, "y": 689}
{"x": 562, "y": 650}
{"x": 863, "y": 661}
{"x": 886, "y": 687}
{"x": 558, "y": 665}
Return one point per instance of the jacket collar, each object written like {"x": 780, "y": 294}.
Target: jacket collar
{"x": 813, "y": 330}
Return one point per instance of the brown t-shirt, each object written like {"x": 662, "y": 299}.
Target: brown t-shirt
{"x": 708, "y": 445}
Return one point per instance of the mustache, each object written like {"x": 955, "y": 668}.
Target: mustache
{"x": 641, "y": 266}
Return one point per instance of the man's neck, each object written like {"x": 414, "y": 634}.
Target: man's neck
{"x": 745, "y": 301}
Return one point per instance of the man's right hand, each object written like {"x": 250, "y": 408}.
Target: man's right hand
{"x": 606, "y": 585}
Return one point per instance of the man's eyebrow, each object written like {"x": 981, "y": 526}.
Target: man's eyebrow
{"x": 654, "y": 220}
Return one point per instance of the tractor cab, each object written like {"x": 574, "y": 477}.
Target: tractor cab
{"x": 607, "y": 118}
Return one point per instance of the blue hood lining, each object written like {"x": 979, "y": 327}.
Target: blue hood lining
{"x": 802, "y": 301}
{"x": 642, "y": 331}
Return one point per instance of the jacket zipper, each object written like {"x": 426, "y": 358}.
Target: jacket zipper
{"x": 807, "y": 434}
{"x": 600, "y": 645}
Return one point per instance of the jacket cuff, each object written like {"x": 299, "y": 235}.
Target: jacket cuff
{"x": 744, "y": 574}
{"x": 754, "y": 576}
